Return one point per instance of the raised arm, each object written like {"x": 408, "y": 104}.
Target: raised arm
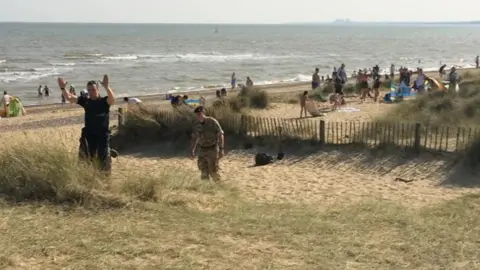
{"x": 110, "y": 94}
{"x": 62, "y": 84}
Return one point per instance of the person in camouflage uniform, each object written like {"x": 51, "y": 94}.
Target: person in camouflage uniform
{"x": 208, "y": 136}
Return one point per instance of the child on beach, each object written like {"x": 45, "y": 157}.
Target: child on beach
{"x": 303, "y": 104}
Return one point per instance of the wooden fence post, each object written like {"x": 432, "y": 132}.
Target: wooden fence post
{"x": 243, "y": 126}
{"x": 120, "y": 116}
{"x": 417, "y": 138}
{"x": 322, "y": 132}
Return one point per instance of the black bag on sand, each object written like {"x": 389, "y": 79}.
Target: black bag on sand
{"x": 262, "y": 159}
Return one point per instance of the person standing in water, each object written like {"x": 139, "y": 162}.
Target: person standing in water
{"x": 46, "y": 91}
{"x": 233, "y": 80}
{"x": 39, "y": 90}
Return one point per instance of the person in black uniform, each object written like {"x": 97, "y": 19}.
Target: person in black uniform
{"x": 95, "y": 138}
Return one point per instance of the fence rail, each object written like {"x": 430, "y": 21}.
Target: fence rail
{"x": 414, "y": 135}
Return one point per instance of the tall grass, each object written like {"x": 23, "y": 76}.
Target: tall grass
{"x": 440, "y": 108}
{"x": 32, "y": 169}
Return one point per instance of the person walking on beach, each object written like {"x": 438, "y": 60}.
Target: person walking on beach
{"x": 249, "y": 83}
{"x": 315, "y": 79}
{"x": 303, "y": 104}
{"x": 95, "y": 136}
{"x": 233, "y": 81}
{"x": 5, "y": 102}
{"x": 477, "y": 61}
{"x": 441, "y": 71}
{"x": 208, "y": 135}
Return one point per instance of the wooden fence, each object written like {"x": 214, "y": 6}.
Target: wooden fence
{"x": 414, "y": 135}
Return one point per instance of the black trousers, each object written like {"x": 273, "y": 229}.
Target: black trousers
{"x": 95, "y": 147}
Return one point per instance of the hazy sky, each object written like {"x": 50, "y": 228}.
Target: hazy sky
{"x": 241, "y": 11}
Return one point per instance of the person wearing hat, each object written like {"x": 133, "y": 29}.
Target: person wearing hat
{"x": 209, "y": 137}
{"x": 95, "y": 136}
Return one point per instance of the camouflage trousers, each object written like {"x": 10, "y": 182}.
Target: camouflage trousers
{"x": 208, "y": 162}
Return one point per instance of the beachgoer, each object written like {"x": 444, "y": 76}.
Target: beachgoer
{"x": 233, "y": 80}
{"x": 453, "y": 79}
{"x": 249, "y": 83}
{"x": 337, "y": 100}
{"x": 208, "y": 135}
{"x": 323, "y": 78}
{"x": 376, "y": 86}
{"x": 39, "y": 90}
{"x": 72, "y": 90}
{"x": 419, "y": 83}
{"x": 84, "y": 93}
{"x": 363, "y": 81}
{"x": 441, "y": 71}
{"x": 392, "y": 71}
{"x": 376, "y": 72}
{"x": 223, "y": 92}
{"x": 477, "y": 61}
{"x": 95, "y": 136}
{"x": 175, "y": 100}
{"x": 63, "y": 100}
{"x": 315, "y": 79}
{"x": 183, "y": 100}
{"x": 46, "y": 91}
{"x": 303, "y": 104}
{"x": 132, "y": 100}
{"x": 5, "y": 102}
{"x": 341, "y": 79}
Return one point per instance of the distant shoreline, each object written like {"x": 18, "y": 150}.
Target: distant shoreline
{"x": 343, "y": 23}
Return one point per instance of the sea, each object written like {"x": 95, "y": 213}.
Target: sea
{"x": 148, "y": 59}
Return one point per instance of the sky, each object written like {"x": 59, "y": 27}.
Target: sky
{"x": 240, "y": 11}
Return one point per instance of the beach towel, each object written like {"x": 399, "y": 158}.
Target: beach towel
{"x": 347, "y": 109}
{"x": 401, "y": 91}
{"x": 312, "y": 109}
{"x": 193, "y": 102}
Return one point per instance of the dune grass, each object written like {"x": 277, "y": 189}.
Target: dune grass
{"x": 56, "y": 212}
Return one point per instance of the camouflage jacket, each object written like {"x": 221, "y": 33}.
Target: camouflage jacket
{"x": 207, "y": 132}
